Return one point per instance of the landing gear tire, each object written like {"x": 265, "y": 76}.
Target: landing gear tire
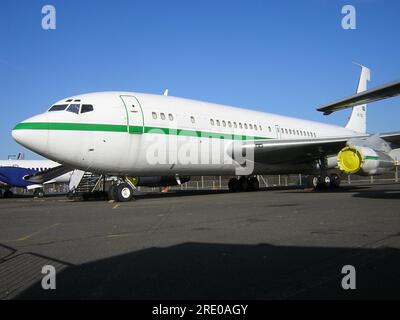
{"x": 112, "y": 195}
{"x": 335, "y": 181}
{"x": 312, "y": 182}
{"x": 254, "y": 184}
{"x": 124, "y": 192}
{"x": 8, "y": 194}
{"x": 234, "y": 185}
{"x": 324, "y": 182}
{"x": 39, "y": 193}
{"x": 244, "y": 184}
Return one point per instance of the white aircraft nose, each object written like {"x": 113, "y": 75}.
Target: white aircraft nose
{"x": 32, "y": 134}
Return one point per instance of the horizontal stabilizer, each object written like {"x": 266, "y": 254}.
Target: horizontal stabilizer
{"x": 385, "y": 91}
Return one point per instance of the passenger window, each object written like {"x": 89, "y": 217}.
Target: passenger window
{"x": 229, "y": 124}
{"x": 245, "y": 126}
{"x": 58, "y": 107}
{"x": 255, "y": 127}
{"x": 192, "y": 119}
{"x": 212, "y": 121}
{"x": 74, "y": 108}
{"x": 269, "y": 129}
{"x": 162, "y": 116}
{"x": 260, "y": 127}
{"x": 235, "y": 124}
{"x": 224, "y": 123}
{"x": 154, "y": 115}
{"x": 251, "y": 126}
{"x": 86, "y": 108}
{"x": 240, "y": 125}
{"x": 171, "y": 117}
{"x": 218, "y": 124}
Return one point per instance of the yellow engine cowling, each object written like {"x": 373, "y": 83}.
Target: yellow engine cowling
{"x": 364, "y": 161}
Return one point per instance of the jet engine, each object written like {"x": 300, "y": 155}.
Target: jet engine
{"x": 364, "y": 161}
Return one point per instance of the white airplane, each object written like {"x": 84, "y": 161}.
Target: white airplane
{"x": 31, "y": 175}
{"x": 129, "y": 134}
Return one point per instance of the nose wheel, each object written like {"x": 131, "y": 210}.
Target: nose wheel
{"x": 122, "y": 192}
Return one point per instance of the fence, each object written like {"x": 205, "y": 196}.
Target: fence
{"x": 221, "y": 182}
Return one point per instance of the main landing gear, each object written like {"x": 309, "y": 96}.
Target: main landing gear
{"x": 8, "y": 194}
{"x": 122, "y": 192}
{"x": 243, "y": 184}
{"x": 331, "y": 181}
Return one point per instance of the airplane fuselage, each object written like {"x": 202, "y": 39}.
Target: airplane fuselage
{"x": 128, "y": 133}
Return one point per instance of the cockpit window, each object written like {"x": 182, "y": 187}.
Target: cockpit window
{"x": 58, "y": 107}
{"x": 73, "y": 108}
{"x": 86, "y": 108}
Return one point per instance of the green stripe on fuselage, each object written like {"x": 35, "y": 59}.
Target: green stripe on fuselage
{"x": 371, "y": 158}
{"x": 132, "y": 129}
{"x": 70, "y": 126}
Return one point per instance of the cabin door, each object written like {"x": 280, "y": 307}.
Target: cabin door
{"x": 134, "y": 114}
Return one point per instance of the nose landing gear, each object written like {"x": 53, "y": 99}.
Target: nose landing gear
{"x": 122, "y": 192}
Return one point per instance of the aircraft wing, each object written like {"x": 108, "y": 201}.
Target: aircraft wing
{"x": 293, "y": 151}
{"x": 392, "y": 137}
{"x": 385, "y": 91}
{"x": 43, "y": 176}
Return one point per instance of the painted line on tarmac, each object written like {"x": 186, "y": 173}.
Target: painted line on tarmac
{"x": 37, "y": 232}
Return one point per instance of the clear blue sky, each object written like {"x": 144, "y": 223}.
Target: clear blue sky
{"x": 283, "y": 57}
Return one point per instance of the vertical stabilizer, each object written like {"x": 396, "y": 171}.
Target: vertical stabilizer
{"x": 358, "y": 118}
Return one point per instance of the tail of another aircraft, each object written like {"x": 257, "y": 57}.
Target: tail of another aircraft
{"x": 358, "y": 118}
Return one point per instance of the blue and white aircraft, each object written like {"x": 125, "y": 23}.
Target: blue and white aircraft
{"x": 31, "y": 175}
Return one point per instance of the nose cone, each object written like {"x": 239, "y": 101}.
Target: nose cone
{"x": 32, "y": 134}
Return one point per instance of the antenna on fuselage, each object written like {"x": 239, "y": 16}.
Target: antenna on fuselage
{"x": 166, "y": 92}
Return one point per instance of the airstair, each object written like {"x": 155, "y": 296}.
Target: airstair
{"x": 85, "y": 185}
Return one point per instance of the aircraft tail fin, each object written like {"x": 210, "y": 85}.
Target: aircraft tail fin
{"x": 358, "y": 118}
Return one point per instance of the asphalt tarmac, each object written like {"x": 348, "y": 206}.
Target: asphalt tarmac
{"x": 270, "y": 244}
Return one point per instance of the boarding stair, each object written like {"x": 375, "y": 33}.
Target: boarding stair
{"x": 84, "y": 185}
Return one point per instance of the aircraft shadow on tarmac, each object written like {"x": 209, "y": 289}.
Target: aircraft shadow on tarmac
{"x": 362, "y": 192}
{"x": 389, "y": 194}
{"x": 229, "y": 271}
{"x": 184, "y": 193}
